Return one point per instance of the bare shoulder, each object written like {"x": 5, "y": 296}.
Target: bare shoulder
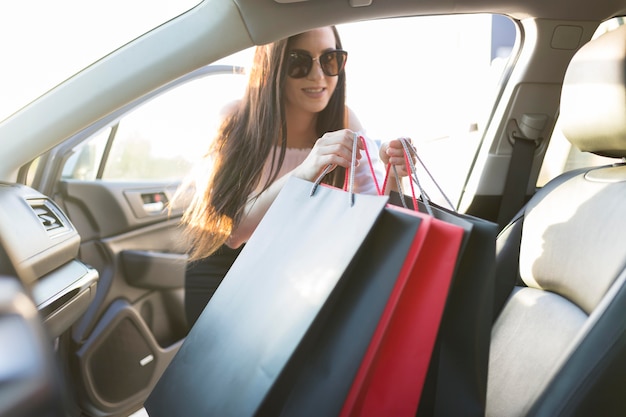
{"x": 353, "y": 121}
{"x": 229, "y": 108}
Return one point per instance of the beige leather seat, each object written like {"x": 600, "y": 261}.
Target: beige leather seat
{"x": 559, "y": 343}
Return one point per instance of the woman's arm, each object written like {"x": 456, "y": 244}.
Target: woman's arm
{"x": 254, "y": 212}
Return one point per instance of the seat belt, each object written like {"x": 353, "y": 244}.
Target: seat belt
{"x": 526, "y": 137}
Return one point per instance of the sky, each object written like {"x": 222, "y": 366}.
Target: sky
{"x": 43, "y": 42}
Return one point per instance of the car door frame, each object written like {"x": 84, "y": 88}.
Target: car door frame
{"x": 116, "y": 352}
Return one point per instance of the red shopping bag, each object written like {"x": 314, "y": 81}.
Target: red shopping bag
{"x": 390, "y": 379}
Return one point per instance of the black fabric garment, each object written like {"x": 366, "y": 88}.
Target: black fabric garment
{"x": 202, "y": 278}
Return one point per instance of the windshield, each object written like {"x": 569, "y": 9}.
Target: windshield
{"x": 45, "y": 42}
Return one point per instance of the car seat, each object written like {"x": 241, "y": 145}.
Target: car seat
{"x": 558, "y": 344}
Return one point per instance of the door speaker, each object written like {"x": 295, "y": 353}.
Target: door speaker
{"x": 121, "y": 364}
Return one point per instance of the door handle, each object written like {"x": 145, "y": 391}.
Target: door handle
{"x": 154, "y": 203}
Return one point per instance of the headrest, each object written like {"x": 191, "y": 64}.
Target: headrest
{"x": 593, "y": 100}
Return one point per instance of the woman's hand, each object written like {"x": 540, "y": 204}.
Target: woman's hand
{"x": 334, "y": 148}
{"x": 392, "y": 152}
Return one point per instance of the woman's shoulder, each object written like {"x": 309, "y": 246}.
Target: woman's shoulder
{"x": 353, "y": 122}
{"x": 229, "y": 108}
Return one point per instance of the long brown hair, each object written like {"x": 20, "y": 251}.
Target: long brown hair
{"x": 255, "y": 129}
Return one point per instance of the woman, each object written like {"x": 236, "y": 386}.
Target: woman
{"x": 292, "y": 121}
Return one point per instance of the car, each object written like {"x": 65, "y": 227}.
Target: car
{"x": 107, "y": 112}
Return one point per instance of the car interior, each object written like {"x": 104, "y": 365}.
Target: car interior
{"x": 565, "y": 288}
{"x": 92, "y": 271}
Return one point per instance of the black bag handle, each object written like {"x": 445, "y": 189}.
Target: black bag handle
{"x": 409, "y": 153}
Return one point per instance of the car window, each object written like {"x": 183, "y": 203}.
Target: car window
{"x": 433, "y": 79}
{"x": 561, "y": 156}
{"x": 160, "y": 140}
{"x": 54, "y": 43}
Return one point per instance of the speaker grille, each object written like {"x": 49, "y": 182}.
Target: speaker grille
{"x": 122, "y": 364}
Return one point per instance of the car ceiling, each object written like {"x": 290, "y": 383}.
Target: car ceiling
{"x": 179, "y": 47}
{"x": 298, "y": 15}
{"x": 295, "y": 15}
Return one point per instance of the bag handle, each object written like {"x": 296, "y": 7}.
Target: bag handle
{"x": 370, "y": 165}
{"x": 409, "y": 153}
{"x": 410, "y": 167}
{"x": 350, "y": 172}
{"x": 443, "y": 194}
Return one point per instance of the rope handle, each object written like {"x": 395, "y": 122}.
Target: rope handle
{"x": 409, "y": 151}
{"x": 350, "y": 172}
{"x": 432, "y": 178}
{"x": 410, "y": 166}
{"x": 370, "y": 164}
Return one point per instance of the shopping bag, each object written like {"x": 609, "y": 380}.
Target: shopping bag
{"x": 458, "y": 369}
{"x": 403, "y": 249}
{"x": 375, "y": 345}
{"x": 390, "y": 379}
{"x": 321, "y": 372}
{"x": 268, "y": 301}
{"x": 456, "y": 383}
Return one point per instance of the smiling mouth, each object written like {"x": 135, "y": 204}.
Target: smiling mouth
{"x": 313, "y": 90}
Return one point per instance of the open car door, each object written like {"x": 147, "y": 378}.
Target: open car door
{"x": 116, "y": 181}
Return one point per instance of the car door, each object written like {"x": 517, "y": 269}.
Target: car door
{"x": 116, "y": 181}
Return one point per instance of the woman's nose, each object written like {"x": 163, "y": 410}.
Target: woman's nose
{"x": 316, "y": 72}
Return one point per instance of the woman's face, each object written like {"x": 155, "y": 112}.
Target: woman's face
{"x": 312, "y": 92}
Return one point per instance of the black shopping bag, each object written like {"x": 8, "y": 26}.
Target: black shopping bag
{"x": 269, "y": 300}
{"x": 456, "y": 383}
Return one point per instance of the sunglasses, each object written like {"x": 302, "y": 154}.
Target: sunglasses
{"x": 299, "y": 64}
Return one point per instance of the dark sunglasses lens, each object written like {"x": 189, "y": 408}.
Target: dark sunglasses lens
{"x": 299, "y": 65}
{"x": 333, "y": 62}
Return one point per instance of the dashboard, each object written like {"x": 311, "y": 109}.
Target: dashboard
{"x": 44, "y": 289}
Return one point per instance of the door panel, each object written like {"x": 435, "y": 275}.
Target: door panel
{"x": 136, "y": 323}
{"x": 101, "y": 209}
{"x": 153, "y": 270}
{"x": 122, "y": 359}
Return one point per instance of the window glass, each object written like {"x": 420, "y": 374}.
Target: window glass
{"x": 85, "y": 160}
{"x": 61, "y": 37}
{"x": 561, "y": 156}
{"x": 162, "y": 139}
{"x": 433, "y": 79}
